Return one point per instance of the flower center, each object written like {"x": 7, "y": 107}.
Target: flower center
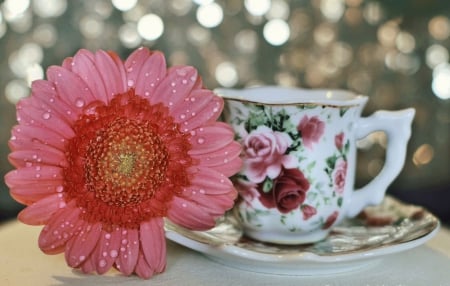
{"x": 126, "y": 161}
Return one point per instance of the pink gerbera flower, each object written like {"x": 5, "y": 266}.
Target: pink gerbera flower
{"x": 106, "y": 149}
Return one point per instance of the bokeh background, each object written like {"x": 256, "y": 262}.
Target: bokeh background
{"x": 396, "y": 52}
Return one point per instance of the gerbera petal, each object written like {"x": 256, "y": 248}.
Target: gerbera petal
{"x": 204, "y": 107}
{"x": 210, "y": 138}
{"x": 153, "y": 243}
{"x": 28, "y": 194}
{"x": 225, "y": 160}
{"x": 35, "y": 137}
{"x": 27, "y": 114}
{"x": 133, "y": 65}
{"x": 45, "y": 92}
{"x": 81, "y": 245}
{"x": 152, "y": 72}
{"x": 88, "y": 265}
{"x": 47, "y": 156}
{"x": 112, "y": 73}
{"x": 143, "y": 269}
{"x": 84, "y": 66}
{"x": 41, "y": 211}
{"x": 122, "y": 80}
{"x": 67, "y": 63}
{"x": 211, "y": 203}
{"x": 188, "y": 214}
{"x": 207, "y": 179}
{"x": 61, "y": 228}
{"x": 175, "y": 87}
{"x": 33, "y": 175}
{"x": 106, "y": 251}
{"x": 129, "y": 251}
{"x": 70, "y": 87}
{"x": 209, "y": 196}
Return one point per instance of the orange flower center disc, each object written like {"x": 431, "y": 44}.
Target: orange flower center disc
{"x": 125, "y": 163}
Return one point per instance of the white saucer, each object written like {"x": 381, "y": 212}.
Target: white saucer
{"x": 359, "y": 243}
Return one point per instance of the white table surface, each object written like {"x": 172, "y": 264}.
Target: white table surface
{"x": 22, "y": 263}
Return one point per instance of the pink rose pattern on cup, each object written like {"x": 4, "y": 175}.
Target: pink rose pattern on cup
{"x": 275, "y": 173}
{"x": 311, "y": 129}
{"x": 265, "y": 154}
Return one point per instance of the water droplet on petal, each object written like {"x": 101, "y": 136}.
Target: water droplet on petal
{"x": 182, "y": 116}
{"x": 79, "y": 102}
{"x": 46, "y": 115}
{"x": 59, "y": 189}
{"x": 130, "y": 82}
{"x": 108, "y": 236}
{"x": 113, "y": 253}
{"x": 102, "y": 263}
{"x": 173, "y": 84}
{"x": 181, "y": 72}
{"x": 201, "y": 140}
{"x": 82, "y": 257}
{"x": 184, "y": 81}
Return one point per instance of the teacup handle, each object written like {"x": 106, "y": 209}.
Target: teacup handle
{"x": 397, "y": 126}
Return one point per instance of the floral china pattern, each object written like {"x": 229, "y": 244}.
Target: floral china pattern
{"x": 277, "y": 176}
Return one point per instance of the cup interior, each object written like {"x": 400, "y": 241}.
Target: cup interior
{"x": 277, "y": 95}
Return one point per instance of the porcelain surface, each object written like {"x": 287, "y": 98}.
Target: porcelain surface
{"x": 355, "y": 244}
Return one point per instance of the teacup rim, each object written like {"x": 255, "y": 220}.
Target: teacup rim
{"x": 293, "y": 96}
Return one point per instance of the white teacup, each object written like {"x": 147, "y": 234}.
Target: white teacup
{"x": 299, "y": 154}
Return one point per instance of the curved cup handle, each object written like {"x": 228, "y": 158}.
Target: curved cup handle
{"x": 397, "y": 126}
